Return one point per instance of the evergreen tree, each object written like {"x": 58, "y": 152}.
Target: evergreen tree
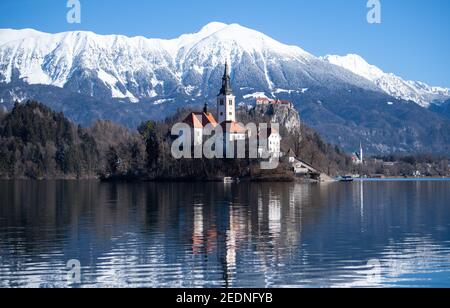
{"x": 148, "y": 131}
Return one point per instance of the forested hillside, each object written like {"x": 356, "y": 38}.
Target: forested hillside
{"x": 39, "y": 143}
{"x": 36, "y": 142}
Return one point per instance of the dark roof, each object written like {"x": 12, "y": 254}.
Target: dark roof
{"x": 291, "y": 153}
{"x": 226, "y": 82}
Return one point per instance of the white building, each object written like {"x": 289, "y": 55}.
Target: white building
{"x": 273, "y": 144}
{"x": 358, "y": 158}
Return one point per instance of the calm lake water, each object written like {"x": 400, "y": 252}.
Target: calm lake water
{"x": 360, "y": 234}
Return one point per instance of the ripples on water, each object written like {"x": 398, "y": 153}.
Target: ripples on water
{"x": 216, "y": 235}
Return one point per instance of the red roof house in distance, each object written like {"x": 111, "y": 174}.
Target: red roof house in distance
{"x": 264, "y": 101}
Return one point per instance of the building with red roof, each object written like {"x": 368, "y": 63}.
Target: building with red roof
{"x": 264, "y": 101}
{"x": 226, "y": 115}
{"x": 198, "y": 121}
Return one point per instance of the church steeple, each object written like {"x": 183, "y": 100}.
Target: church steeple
{"x": 226, "y": 82}
{"x": 226, "y": 101}
{"x": 361, "y": 154}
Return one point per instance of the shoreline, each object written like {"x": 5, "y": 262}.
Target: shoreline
{"x": 400, "y": 179}
{"x": 242, "y": 180}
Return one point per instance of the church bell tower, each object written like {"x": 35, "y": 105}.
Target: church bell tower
{"x": 226, "y": 101}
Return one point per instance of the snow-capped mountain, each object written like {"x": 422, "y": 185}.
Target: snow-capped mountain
{"x": 138, "y": 68}
{"x": 151, "y": 69}
{"x": 415, "y": 91}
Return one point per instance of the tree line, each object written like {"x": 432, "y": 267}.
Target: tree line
{"x": 38, "y": 143}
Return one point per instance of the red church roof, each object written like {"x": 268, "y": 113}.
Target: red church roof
{"x": 200, "y": 119}
{"x": 233, "y": 127}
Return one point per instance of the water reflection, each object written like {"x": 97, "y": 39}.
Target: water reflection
{"x": 215, "y": 235}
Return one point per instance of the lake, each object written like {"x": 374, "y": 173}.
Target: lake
{"x": 361, "y": 234}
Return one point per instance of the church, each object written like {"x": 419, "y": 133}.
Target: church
{"x": 226, "y": 118}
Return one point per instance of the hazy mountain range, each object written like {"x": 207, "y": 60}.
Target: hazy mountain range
{"x": 128, "y": 80}
{"x": 415, "y": 91}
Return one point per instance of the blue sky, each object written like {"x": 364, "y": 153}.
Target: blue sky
{"x": 412, "y": 41}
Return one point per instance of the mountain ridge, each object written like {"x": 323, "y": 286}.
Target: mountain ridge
{"x": 137, "y": 67}
{"x": 174, "y": 56}
{"x": 416, "y": 91}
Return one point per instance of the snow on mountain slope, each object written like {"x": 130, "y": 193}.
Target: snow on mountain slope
{"x": 416, "y": 91}
{"x": 55, "y": 59}
{"x": 138, "y": 68}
